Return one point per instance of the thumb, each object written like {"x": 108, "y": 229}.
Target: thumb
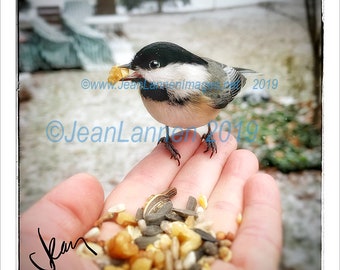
{"x": 61, "y": 216}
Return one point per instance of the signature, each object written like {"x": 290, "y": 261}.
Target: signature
{"x": 52, "y": 254}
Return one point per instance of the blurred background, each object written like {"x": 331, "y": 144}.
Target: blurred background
{"x": 67, "y": 48}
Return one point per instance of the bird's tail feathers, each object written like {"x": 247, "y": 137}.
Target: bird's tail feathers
{"x": 247, "y": 71}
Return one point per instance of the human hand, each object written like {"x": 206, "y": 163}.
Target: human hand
{"x": 230, "y": 180}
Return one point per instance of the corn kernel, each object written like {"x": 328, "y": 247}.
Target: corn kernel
{"x": 141, "y": 264}
{"x": 121, "y": 246}
{"x": 239, "y": 218}
{"x": 202, "y": 201}
{"x": 124, "y": 219}
{"x": 116, "y": 74}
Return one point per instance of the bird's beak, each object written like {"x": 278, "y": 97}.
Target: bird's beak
{"x": 126, "y": 66}
{"x": 133, "y": 76}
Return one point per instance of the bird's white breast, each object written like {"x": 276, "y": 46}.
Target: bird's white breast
{"x": 183, "y": 116}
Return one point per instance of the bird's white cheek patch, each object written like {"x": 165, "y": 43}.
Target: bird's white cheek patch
{"x": 180, "y": 80}
{"x": 175, "y": 73}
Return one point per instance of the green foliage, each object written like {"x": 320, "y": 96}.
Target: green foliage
{"x": 284, "y": 140}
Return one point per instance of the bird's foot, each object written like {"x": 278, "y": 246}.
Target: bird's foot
{"x": 173, "y": 151}
{"x": 211, "y": 144}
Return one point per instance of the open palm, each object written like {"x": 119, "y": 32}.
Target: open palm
{"x": 230, "y": 180}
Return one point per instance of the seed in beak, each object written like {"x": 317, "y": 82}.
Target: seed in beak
{"x": 117, "y": 73}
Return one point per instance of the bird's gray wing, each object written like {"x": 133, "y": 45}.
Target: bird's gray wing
{"x": 227, "y": 80}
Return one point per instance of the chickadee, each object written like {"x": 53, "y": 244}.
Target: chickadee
{"x": 181, "y": 89}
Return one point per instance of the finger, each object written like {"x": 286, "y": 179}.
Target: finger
{"x": 219, "y": 264}
{"x": 200, "y": 173}
{"x": 153, "y": 174}
{"x": 225, "y": 202}
{"x": 69, "y": 208}
{"x": 259, "y": 239}
{"x": 65, "y": 213}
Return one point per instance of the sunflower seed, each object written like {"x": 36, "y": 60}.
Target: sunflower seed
{"x": 181, "y": 237}
{"x": 199, "y": 253}
{"x": 184, "y": 212}
{"x": 205, "y": 235}
{"x": 139, "y": 214}
{"x": 172, "y": 216}
{"x": 154, "y": 219}
{"x": 157, "y": 217}
{"x": 191, "y": 203}
{"x": 155, "y": 202}
{"x": 143, "y": 241}
{"x": 151, "y": 230}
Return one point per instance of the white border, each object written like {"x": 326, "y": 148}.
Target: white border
{"x": 9, "y": 229}
{"x": 9, "y": 184}
{"x": 330, "y": 214}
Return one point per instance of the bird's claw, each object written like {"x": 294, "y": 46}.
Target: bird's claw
{"x": 173, "y": 151}
{"x": 211, "y": 144}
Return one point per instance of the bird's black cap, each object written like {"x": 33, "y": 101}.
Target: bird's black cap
{"x": 164, "y": 53}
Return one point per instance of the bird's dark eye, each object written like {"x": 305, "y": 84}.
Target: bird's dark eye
{"x": 154, "y": 64}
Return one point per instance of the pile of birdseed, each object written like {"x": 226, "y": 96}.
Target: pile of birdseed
{"x": 159, "y": 236}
